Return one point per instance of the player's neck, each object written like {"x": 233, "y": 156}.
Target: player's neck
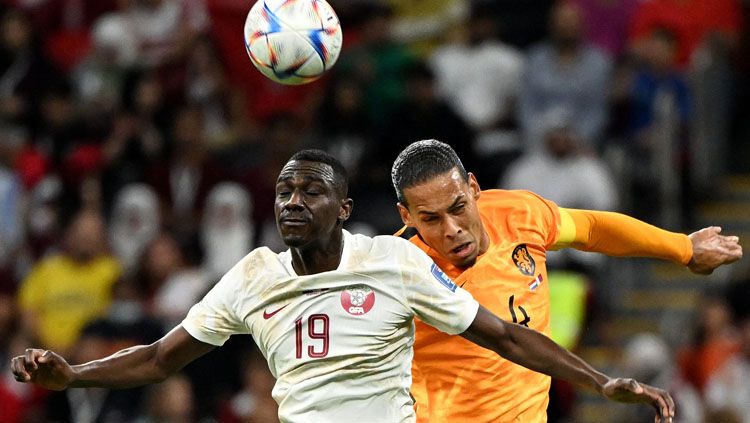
{"x": 319, "y": 257}
{"x": 484, "y": 242}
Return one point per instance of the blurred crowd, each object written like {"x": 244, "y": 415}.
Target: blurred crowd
{"x": 139, "y": 150}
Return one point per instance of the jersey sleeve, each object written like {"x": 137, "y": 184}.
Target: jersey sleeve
{"x": 432, "y": 295}
{"x": 215, "y": 318}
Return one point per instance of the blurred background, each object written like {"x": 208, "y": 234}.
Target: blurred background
{"x": 139, "y": 149}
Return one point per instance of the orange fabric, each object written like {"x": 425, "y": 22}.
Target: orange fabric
{"x": 616, "y": 234}
{"x": 461, "y": 382}
{"x": 699, "y": 363}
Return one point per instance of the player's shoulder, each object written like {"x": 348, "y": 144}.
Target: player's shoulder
{"x": 390, "y": 247}
{"x": 510, "y": 198}
{"x": 391, "y": 242}
{"x": 502, "y": 208}
{"x": 259, "y": 264}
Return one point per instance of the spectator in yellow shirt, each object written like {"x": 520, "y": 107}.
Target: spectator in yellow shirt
{"x": 65, "y": 291}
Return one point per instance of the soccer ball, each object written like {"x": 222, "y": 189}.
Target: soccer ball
{"x": 292, "y": 41}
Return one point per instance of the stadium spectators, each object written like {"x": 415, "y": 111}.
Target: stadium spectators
{"x": 65, "y": 291}
{"x": 135, "y": 222}
{"x": 726, "y": 388}
{"x": 607, "y": 23}
{"x": 378, "y": 62}
{"x": 484, "y": 94}
{"x": 715, "y": 340}
{"x": 96, "y": 96}
{"x": 694, "y": 23}
{"x": 565, "y": 73}
{"x": 227, "y": 231}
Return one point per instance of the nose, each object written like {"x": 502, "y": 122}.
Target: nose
{"x": 295, "y": 201}
{"x": 451, "y": 228}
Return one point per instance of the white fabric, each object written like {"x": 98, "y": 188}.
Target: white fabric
{"x": 227, "y": 231}
{"x": 136, "y": 220}
{"x": 729, "y": 388}
{"x": 580, "y": 181}
{"x": 478, "y": 82}
{"x": 366, "y": 373}
{"x": 158, "y": 29}
{"x": 178, "y": 293}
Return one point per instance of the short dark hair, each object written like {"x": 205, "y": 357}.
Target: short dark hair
{"x": 421, "y": 161}
{"x": 341, "y": 182}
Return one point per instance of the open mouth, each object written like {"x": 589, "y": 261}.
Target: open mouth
{"x": 464, "y": 249}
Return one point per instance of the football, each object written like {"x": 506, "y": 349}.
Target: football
{"x": 293, "y": 41}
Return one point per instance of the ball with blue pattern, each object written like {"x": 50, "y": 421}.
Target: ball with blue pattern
{"x": 292, "y": 41}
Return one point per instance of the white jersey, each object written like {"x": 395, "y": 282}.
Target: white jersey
{"x": 340, "y": 342}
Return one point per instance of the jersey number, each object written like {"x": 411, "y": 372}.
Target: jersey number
{"x": 317, "y": 328}
{"x": 526, "y": 318}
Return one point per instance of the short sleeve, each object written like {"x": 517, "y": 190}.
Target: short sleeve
{"x": 215, "y": 318}
{"x": 432, "y": 295}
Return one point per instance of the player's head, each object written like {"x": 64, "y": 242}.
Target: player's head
{"x": 311, "y": 198}
{"x": 438, "y": 197}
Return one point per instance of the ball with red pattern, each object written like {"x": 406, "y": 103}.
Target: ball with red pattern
{"x": 293, "y": 41}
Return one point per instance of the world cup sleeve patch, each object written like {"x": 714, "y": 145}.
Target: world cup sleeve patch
{"x": 523, "y": 260}
{"x": 442, "y": 278}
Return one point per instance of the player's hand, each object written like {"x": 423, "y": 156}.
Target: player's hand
{"x": 42, "y": 367}
{"x": 629, "y": 390}
{"x": 711, "y": 250}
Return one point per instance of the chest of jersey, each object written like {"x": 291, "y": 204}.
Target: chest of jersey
{"x": 510, "y": 279}
{"x": 341, "y": 319}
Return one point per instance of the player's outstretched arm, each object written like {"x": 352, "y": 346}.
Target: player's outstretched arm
{"x": 535, "y": 351}
{"x": 617, "y": 234}
{"x": 135, "y": 366}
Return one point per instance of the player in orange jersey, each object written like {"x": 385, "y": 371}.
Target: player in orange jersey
{"x": 493, "y": 243}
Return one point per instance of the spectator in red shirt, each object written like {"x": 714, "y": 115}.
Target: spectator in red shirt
{"x": 693, "y": 21}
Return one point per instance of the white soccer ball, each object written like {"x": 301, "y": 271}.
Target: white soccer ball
{"x": 293, "y": 41}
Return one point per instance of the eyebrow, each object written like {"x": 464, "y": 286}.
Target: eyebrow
{"x": 305, "y": 178}
{"x": 456, "y": 201}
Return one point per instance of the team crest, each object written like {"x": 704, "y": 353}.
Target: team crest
{"x": 358, "y": 299}
{"x": 523, "y": 260}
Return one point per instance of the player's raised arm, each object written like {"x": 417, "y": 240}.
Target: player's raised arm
{"x": 535, "y": 351}
{"x": 616, "y": 234}
{"x": 135, "y": 366}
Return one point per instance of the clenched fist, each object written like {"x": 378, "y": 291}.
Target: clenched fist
{"x": 44, "y": 368}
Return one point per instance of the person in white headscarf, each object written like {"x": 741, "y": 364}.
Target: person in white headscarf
{"x": 136, "y": 221}
{"x": 227, "y": 230}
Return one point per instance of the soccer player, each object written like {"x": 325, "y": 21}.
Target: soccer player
{"x": 333, "y": 317}
{"x": 493, "y": 243}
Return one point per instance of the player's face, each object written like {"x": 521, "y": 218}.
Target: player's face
{"x": 307, "y": 207}
{"x": 444, "y": 212}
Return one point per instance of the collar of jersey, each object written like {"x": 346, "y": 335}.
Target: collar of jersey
{"x": 345, "y": 254}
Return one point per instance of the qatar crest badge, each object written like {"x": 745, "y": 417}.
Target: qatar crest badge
{"x": 358, "y": 299}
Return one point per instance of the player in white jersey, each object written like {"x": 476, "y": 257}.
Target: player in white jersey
{"x": 333, "y": 315}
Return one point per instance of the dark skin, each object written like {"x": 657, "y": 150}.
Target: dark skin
{"x": 310, "y": 211}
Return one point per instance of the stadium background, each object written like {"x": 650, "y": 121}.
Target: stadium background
{"x": 138, "y": 152}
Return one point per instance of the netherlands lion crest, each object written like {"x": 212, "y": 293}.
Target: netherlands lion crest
{"x": 358, "y": 299}
{"x": 523, "y": 260}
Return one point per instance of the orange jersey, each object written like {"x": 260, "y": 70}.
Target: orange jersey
{"x": 457, "y": 381}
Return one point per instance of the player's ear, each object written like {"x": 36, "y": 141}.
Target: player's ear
{"x": 404, "y": 213}
{"x": 474, "y": 186}
{"x": 347, "y": 205}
